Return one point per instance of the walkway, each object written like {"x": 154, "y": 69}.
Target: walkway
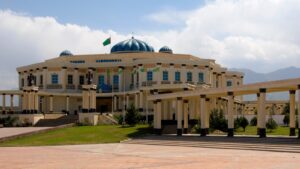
{"x": 138, "y": 156}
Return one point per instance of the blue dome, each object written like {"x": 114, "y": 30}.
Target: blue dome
{"x": 65, "y": 53}
{"x": 131, "y": 45}
{"x": 165, "y": 49}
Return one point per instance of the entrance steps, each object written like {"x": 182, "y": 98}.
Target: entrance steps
{"x": 52, "y": 122}
{"x": 106, "y": 118}
{"x": 291, "y": 145}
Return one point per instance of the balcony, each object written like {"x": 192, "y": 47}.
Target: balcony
{"x": 70, "y": 86}
{"x": 165, "y": 82}
{"x": 149, "y": 83}
{"x": 54, "y": 86}
{"x": 177, "y": 82}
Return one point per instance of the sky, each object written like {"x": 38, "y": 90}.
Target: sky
{"x": 261, "y": 35}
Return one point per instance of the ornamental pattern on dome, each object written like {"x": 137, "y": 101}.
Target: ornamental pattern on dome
{"x": 131, "y": 45}
{"x": 165, "y": 49}
{"x": 65, "y": 53}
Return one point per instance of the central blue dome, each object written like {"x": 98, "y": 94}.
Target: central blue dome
{"x": 131, "y": 45}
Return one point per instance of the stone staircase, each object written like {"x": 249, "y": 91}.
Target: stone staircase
{"x": 64, "y": 120}
{"x": 291, "y": 145}
{"x": 106, "y": 119}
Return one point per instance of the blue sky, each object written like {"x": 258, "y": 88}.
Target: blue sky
{"x": 119, "y": 15}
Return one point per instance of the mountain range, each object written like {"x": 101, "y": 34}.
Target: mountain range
{"x": 280, "y": 74}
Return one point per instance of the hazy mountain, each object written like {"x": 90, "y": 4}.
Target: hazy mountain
{"x": 280, "y": 74}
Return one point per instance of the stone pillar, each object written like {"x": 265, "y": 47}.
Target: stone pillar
{"x": 261, "y": 120}
{"x": 171, "y": 73}
{"x": 230, "y": 114}
{"x": 136, "y": 100}
{"x": 141, "y": 106}
{"x": 11, "y": 103}
{"x": 67, "y": 104}
{"x": 121, "y": 79}
{"x": 3, "y": 103}
{"x": 204, "y": 130}
{"x": 51, "y": 104}
{"x": 292, "y": 113}
{"x": 63, "y": 77}
{"x": 223, "y": 77}
{"x": 299, "y": 111}
{"x": 207, "y": 104}
{"x": 214, "y": 80}
{"x": 179, "y": 116}
{"x": 158, "y": 74}
{"x": 207, "y": 75}
{"x": 257, "y": 115}
{"x": 141, "y": 74}
{"x": 185, "y": 116}
{"x": 155, "y": 116}
{"x": 219, "y": 77}
{"x": 36, "y": 102}
{"x": 127, "y": 101}
{"x": 158, "y": 117}
{"x": 76, "y": 78}
{"x": 45, "y": 78}
{"x": 115, "y": 106}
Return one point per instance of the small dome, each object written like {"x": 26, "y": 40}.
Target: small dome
{"x": 165, "y": 49}
{"x": 131, "y": 45}
{"x": 65, "y": 53}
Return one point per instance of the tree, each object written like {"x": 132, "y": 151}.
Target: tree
{"x": 286, "y": 109}
{"x": 132, "y": 116}
{"x": 286, "y": 119}
{"x": 271, "y": 124}
{"x": 217, "y": 120}
{"x": 253, "y": 121}
{"x": 243, "y": 122}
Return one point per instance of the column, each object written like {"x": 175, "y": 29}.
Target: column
{"x": 158, "y": 74}
{"x": 207, "y": 75}
{"x": 127, "y": 101}
{"x": 141, "y": 106}
{"x": 115, "y": 103}
{"x": 121, "y": 75}
{"x": 140, "y": 74}
{"x": 155, "y": 116}
{"x": 51, "y": 104}
{"x": 67, "y": 104}
{"x": 230, "y": 114}
{"x": 36, "y": 101}
{"x": 299, "y": 111}
{"x": 171, "y": 73}
{"x": 185, "y": 116}
{"x": 292, "y": 113}
{"x": 219, "y": 77}
{"x": 3, "y": 103}
{"x": 207, "y": 104}
{"x": 179, "y": 116}
{"x": 203, "y": 115}
{"x": 11, "y": 103}
{"x": 223, "y": 77}
{"x": 158, "y": 116}
{"x": 44, "y": 78}
{"x": 136, "y": 100}
{"x": 257, "y": 115}
{"x": 214, "y": 80}
{"x": 262, "y": 113}
{"x": 76, "y": 78}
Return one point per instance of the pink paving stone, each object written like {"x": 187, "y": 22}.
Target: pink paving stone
{"x": 130, "y": 156}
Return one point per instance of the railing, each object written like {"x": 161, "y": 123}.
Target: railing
{"x": 177, "y": 82}
{"x": 70, "y": 86}
{"x": 165, "y": 82}
{"x": 54, "y": 86}
{"x": 149, "y": 83}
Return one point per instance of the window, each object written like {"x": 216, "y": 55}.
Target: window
{"x": 189, "y": 76}
{"x": 108, "y": 60}
{"x": 81, "y": 80}
{"x": 70, "y": 79}
{"x": 34, "y": 80}
{"x": 54, "y": 78}
{"x": 101, "y": 80}
{"x": 22, "y": 82}
{"x": 77, "y": 61}
{"x": 201, "y": 77}
{"x": 116, "y": 80}
{"x": 149, "y": 76}
{"x": 165, "y": 75}
{"x": 41, "y": 79}
{"x": 229, "y": 83}
{"x": 177, "y": 76}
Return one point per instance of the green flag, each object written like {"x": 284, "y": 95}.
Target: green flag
{"x": 106, "y": 42}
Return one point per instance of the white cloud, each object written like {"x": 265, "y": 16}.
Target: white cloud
{"x": 260, "y": 35}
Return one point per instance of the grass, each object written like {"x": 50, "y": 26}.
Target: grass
{"x": 80, "y": 135}
{"x": 251, "y": 130}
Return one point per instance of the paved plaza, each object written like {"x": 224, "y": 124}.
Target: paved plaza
{"x": 134, "y": 156}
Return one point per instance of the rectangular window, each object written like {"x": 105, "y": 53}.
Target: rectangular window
{"x": 41, "y": 79}
{"x": 229, "y": 83}
{"x": 116, "y": 79}
{"x": 189, "y": 76}
{"x": 81, "y": 80}
{"x": 101, "y": 80}
{"x": 54, "y": 78}
{"x": 149, "y": 76}
{"x": 177, "y": 76}
{"x": 201, "y": 77}
{"x": 165, "y": 75}
{"x": 70, "y": 79}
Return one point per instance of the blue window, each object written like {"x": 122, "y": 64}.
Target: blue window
{"x": 54, "y": 78}
{"x": 201, "y": 77}
{"x": 116, "y": 79}
{"x": 165, "y": 75}
{"x": 189, "y": 76}
{"x": 149, "y": 76}
{"x": 101, "y": 80}
{"x": 229, "y": 83}
{"x": 177, "y": 76}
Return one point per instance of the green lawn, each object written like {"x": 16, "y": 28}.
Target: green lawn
{"x": 251, "y": 130}
{"x": 80, "y": 135}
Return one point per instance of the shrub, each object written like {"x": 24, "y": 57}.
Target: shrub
{"x": 253, "y": 121}
{"x": 217, "y": 120}
{"x": 132, "y": 116}
{"x": 271, "y": 124}
{"x": 8, "y": 121}
{"x": 286, "y": 119}
{"x": 118, "y": 118}
{"x": 241, "y": 122}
